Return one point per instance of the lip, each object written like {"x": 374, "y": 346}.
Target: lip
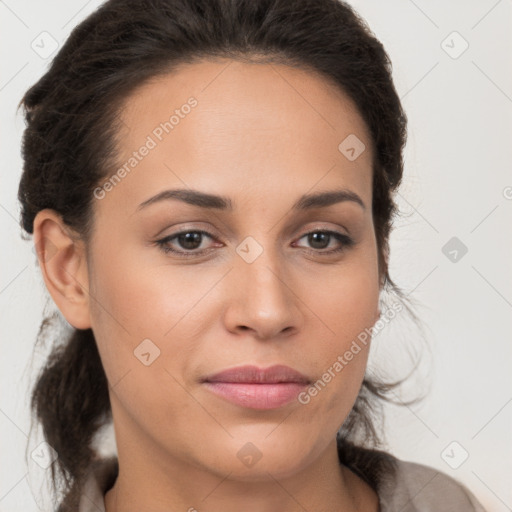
{"x": 257, "y": 388}
{"x": 257, "y": 396}
{"x": 250, "y": 374}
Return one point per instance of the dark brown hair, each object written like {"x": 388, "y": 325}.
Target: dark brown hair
{"x": 69, "y": 145}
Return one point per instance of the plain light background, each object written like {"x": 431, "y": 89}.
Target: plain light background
{"x": 452, "y": 69}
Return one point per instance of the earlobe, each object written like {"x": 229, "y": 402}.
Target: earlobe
{"x": 61, "y": 257}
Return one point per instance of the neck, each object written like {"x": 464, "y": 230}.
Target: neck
{"x": 143, "y": 484}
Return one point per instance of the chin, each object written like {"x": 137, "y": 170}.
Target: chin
{"x": 263, "y": 460}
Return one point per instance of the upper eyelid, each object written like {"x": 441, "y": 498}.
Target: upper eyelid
{"x": 213, "y": 231}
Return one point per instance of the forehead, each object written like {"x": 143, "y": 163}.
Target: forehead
{"x": 268, "y": 95}
{"x": 218, "y": 124}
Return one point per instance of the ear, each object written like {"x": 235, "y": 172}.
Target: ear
{"x": 62, "y": 259}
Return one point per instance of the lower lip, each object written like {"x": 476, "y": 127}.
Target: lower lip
{"x": 257, "y": 396}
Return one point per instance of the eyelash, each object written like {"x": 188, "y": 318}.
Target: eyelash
{"x": 346, "y": 241}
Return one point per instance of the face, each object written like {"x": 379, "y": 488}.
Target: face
{"x": 180, "y": 291}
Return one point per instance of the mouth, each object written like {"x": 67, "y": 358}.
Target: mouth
{"x": 257, "y": 388}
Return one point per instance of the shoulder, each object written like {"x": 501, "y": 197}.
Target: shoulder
{"x": 418, "y": 488}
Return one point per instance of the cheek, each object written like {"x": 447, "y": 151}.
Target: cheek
{"x": 124, "y": 312}
{"x": 132, "y": 311}
{"x": 347, "y": 305}
{"x": 136, "y": 301}
{"x": 143, "y": 301}
{"x": 346, "y": 298}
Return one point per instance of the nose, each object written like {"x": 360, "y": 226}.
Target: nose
{"x": 262, "y": 299}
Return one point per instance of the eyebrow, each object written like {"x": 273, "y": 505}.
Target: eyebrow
{"x": 211, "y": 201}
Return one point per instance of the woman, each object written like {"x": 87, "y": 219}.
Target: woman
{"x": 210, "y": 189}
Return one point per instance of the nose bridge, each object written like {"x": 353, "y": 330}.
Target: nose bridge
{"x": 260, "y": 266}
{"x": 264, "y": 299}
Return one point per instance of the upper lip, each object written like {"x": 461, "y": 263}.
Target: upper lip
{"x": 255, "y": 375}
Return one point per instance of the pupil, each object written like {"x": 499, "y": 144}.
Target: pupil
{"x": 314, "y": 237}
{"x": 190, "y": 240}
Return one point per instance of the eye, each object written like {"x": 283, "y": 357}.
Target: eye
{"x": 320, "y": 239}
{"x": 190, "y": 242}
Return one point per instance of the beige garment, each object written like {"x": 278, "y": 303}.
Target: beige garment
{"x": 415, "y": 488}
